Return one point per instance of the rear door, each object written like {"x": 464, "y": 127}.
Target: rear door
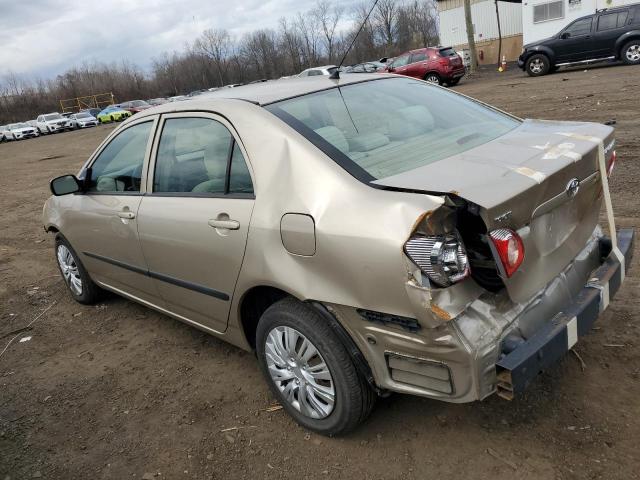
{"x": 609, "y": 27}
{"x": 575, "y": 43}
{"x": 194, "y": 220}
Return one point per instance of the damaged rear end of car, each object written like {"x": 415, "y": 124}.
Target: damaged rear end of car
{"x": 506, "y": 268}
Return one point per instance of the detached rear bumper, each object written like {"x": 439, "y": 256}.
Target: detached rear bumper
{"x": 520, "y": 366}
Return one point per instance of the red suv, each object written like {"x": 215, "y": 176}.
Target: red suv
{"x": 433, "y": 64}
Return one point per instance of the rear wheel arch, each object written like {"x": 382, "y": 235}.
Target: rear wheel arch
{"x": 253, "y": 304}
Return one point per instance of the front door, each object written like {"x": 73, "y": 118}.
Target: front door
{"x": 193, "y": 223}
{"x": 103, "y": 225}
{"x": 575, "y": 43}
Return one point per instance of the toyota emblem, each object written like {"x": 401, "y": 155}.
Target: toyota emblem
{"x": 572, "y": 187}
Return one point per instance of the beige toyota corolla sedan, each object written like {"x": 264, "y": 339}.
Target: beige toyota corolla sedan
{"x": 365, "y": 235}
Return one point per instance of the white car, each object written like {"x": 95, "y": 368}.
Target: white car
{"x": 20, "y": 131}
{"x": 3, "y": 137}
{"x": 52, "y": 123}
{"x": 83, "y": 120}
{"x": 316, "y": 71}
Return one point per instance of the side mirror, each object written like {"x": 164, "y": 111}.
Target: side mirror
{"x": 65, "y": 185}
{"x": 565, "y": 35}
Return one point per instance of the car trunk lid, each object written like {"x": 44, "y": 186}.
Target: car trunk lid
{"x": 525, "y": 180}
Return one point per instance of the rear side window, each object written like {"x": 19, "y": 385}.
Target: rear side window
{"x": 635, "y": 16}
{"x": 194, "y": 157}
{"x": 580, "y": 27}
{"x": 418, "y": 57}
{"x": 610, "y": 21}
{"x": 447, "y": 52}
{"x": 118, "y": 167}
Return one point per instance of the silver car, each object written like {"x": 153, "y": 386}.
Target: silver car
{"x": 363, "y": 236}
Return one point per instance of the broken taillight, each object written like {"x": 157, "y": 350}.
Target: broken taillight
{"x": 442, "y": 258}
{"x": 509, "y": 247}
{"x": 612, "y": 163}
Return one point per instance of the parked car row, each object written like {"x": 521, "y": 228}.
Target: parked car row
{"x": 439, "y": 65}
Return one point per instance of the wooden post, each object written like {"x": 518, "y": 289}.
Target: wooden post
{"x": 470, "y": 38}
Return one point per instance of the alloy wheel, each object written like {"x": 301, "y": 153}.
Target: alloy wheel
{"x": 432, "y": 78}
{"x": 69, "y": 269}
{"x": 299, "y": 372}
{"x": 633, "y": 53}
{"x": 536, "y": 65}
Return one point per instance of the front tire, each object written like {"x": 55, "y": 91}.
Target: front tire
{"x": 80, "y": 285}
{"x": 630, "y": 53}
{"x": 309, "y": 370}
{"x": 538, "y": 65}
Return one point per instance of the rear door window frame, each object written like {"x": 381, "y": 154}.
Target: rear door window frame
{"x": 236, "y": 139}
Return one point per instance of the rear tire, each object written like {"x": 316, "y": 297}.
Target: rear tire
{"x": 630, "y": 53}
{"x": 292, "y": 370}
{"x": 538, "y": 65}
{"x": 454, "y": 82}
{"x": 80, "y": 285}
{"x": 433, "y": 78}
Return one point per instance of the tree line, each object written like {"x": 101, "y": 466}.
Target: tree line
{"x": 215, "y": 58}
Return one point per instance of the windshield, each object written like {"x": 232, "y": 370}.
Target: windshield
{"x": 380, "y": 128}
{"x": 82, "y": 115}
{"x": 139, "y": 103}
{"x": 14, "y": 126}
{"x": 53, "y": 116}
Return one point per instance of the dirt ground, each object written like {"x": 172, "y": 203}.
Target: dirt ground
{"x": 118, "y": 391}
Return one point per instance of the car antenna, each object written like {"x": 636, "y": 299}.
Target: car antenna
{"x": 336, "y": 73}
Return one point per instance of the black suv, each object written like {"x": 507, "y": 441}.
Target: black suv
{"x": 610, "y": 34}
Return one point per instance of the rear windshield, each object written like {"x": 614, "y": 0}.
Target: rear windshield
{"x": 447, "y": 52}
{"x": 377, "y": 129}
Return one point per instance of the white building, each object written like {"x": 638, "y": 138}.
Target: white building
{"x": 525, "y": 22}
{"x": 483, "y": 12}
{"x": 544, "y": 18}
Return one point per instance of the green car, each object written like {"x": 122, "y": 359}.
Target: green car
{"x": 113, "y": 113}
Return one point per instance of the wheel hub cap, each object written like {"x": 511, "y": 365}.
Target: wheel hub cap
{"x": 300, "y": 373}
{"x": 633, "y": 53}
{"x": 69, "y": 269}
{"x": 536, "y": 66}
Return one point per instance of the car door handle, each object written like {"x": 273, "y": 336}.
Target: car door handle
{"x": 226, "y": 224}
{"x": 127, "y": 214}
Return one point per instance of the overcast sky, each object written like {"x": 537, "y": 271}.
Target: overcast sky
{"x": 42, "y": 38}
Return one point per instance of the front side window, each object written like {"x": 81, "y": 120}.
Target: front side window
{"x": 118, "y": 168}
{"x": 548, "y": 11}
{"x": 376, "y": 129}
{"x": 580, "y": 27}
{"x": 193, "y": 157}
{"x": 400, "y": 61}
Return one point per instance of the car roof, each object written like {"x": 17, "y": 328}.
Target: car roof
{"x": 265, "y": 93}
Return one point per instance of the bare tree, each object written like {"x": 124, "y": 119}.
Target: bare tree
{"x": 386, "y": 16}
{"x": 328, "y": 16}
{"x": 216, "y": 44}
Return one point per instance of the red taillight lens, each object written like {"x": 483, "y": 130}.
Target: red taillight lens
{"x": 444, "y": 62}
{"x": 612, "y": 163}
{"x": 510, "y": 249}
